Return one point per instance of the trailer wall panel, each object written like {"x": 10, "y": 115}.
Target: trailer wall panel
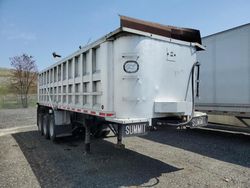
{"x": 225, "y": 71}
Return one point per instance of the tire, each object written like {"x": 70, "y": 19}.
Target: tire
{"x": 101, "y": 131}
{"x": 40, "y": 124}
{"x": 46, "y": 126}
{"x": 105, "y": 133}
{"x": 52, "y": 128}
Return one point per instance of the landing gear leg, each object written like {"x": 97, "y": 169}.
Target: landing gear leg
{"x": 119, "y": 137}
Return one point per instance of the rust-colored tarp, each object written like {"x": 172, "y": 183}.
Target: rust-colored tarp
{"x": 185, "y": 34}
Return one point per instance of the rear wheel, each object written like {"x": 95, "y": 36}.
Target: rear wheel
{"x": 40, "y": 124}
{"x": 101, "y": 131}
{"x": 46, "y": 126}
{"x": 52, "y": 128}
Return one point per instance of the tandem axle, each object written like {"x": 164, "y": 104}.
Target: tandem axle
{"x": 57, "y": 123}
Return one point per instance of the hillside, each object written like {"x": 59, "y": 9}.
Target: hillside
{"x": 5, "y": 72}
{"x": 5, "y": 76}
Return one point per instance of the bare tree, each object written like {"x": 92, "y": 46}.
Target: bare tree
{"x": 23, "y": 76}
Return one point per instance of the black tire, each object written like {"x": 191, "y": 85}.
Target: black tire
{"x": 105, "y": 133}
{"x": 101, "y": 131}
{"x": 46, "y": 126}
{"x": 40, "y": 124}
{"x": 52, "y": 128}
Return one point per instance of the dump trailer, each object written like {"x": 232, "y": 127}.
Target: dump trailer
{"x": 139, "y": 75}
{"x": 225, "y": 77}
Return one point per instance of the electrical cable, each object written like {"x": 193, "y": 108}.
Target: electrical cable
{"x": 191, "y": 75}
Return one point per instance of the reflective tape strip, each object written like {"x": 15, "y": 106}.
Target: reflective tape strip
{"x": 96, "y": 113}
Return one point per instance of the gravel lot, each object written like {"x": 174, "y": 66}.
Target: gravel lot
{"x": 164, "y": 158}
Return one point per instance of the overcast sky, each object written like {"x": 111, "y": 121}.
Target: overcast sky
{"x": 39, "y": 27}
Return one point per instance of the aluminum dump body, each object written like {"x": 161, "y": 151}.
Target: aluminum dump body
{"x": 138, "y": 72}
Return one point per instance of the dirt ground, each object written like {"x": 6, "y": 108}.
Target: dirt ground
{"x": 163, "y": 158}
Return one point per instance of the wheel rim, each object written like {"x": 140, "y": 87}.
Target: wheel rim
{"x": 40, "y": 124}
{"x": 51, "y": 128}
{"x": 45, "y": 128}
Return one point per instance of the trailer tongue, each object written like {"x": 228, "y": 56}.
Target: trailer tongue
{"x": 140, "y": 74}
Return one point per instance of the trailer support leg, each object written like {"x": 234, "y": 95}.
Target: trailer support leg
{"x": 119, "y": 137}
{"x": 87, "y": 139}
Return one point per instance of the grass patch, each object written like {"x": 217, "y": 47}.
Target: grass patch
{"x": 12, "y": 102}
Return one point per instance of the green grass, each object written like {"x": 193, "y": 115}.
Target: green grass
{"x": 7, "y": 98}
{"x": 8, "y": 102}
{"x": 5, "y": 75}
{"x": 3, "y": 89}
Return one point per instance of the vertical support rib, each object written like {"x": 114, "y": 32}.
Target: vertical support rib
{"x": 91, "y": 76}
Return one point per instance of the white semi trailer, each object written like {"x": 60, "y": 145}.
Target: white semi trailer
{"x": 128, "y": 80}
{"x": 225, "y": 77}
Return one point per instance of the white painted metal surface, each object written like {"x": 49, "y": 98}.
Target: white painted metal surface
{"x": 169, "y": 107}
{"x": 93, "y": 79}
{"x": 225, "y": 72}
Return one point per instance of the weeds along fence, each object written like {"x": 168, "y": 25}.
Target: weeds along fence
{"x": 14, "y": 101}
